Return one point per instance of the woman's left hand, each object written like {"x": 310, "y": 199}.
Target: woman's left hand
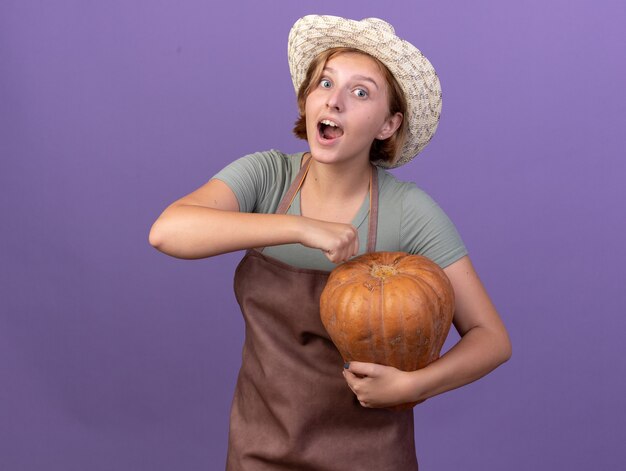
{"x": 378, "y": 385}
{"x": 484, "y": 345}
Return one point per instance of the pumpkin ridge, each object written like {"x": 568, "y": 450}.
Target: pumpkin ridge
{"x": 381, "y": 311}
{"x": 345, "y": 349}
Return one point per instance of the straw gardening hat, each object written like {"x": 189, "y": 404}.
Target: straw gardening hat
{"x": 313, "y": 34}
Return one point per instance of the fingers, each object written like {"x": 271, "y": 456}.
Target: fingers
{"x": 363, "y": 369}
{"x": 344, "y": 243}
{"x": 355, "y": 383}
{"x": 373, "y": 385}
{"x": 339, "y": 242}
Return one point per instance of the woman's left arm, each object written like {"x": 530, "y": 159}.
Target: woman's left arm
{"x": 483, "y": 346}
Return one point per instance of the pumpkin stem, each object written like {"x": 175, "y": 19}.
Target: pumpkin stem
{"x": 383, "y": 271}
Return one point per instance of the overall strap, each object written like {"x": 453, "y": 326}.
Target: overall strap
{"x": 373, "y": 222}
{"x": 285, "y": 203}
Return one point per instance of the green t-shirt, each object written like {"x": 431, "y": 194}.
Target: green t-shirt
{"x": 408, "y": 219}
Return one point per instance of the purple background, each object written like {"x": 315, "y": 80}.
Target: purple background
{"x": 116, "y": 357}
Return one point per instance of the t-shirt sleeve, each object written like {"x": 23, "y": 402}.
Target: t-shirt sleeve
{"x": 427, "y": 230}
{"x": 256, "y": 180}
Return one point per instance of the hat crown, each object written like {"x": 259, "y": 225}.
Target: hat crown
{"x": 380, "y": 25}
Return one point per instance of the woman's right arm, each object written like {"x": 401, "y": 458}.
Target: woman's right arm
{"x": 207, "y": 222}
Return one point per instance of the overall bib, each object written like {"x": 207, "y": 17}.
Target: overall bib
{"x": 292, "y": 408}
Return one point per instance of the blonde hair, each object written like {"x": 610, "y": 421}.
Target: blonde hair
{"x": 381, "y": 150}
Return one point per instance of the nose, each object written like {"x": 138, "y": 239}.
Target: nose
{"x": 335, "y": 101}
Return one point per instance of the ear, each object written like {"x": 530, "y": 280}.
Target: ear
{"x": 390, "y": 126}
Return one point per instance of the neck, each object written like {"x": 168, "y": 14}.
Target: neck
{"x": 338, "y": 181}
{"x": 334, "y": 192}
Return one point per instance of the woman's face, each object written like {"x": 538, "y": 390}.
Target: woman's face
{"x": 347, "y": 109}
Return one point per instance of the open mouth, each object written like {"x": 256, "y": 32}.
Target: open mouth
{"x": 329, "y": 130}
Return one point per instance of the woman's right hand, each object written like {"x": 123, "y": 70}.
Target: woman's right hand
{"x": 338, "y": 241}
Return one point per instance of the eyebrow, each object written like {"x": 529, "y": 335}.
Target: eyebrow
{"x": 355, "y": 77}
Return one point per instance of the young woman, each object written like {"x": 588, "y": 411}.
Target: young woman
{"x": 368, "y": 100}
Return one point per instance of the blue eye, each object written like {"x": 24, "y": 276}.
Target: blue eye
{"x": 325, "y": 83}
{"x": 361, "y": 93}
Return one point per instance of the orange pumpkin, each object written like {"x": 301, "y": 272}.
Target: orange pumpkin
{"x": 389, "y": 308}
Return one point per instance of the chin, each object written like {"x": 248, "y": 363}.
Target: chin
{"x": 325, "y": 156}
